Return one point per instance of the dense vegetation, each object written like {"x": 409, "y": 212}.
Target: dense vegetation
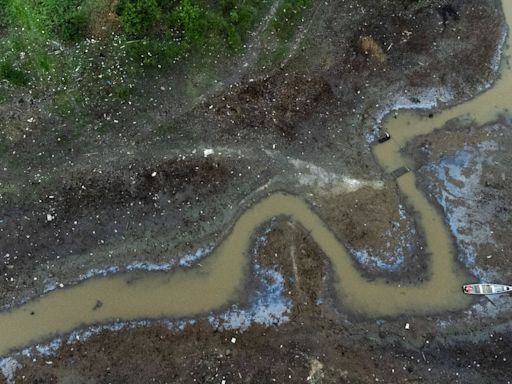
{"x": 289, "y": 17}
{"x": 33, "y": 32}
{"x": 83, "y": 61}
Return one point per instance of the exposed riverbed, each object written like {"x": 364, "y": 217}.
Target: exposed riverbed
{"x": 220, "y": 279}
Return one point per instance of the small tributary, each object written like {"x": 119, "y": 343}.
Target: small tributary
{"x": 186, "y": 293}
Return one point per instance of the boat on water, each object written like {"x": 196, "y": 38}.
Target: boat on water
{"x": 486, "y": 289}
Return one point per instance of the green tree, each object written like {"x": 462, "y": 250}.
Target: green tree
{"x": 191, "y": 21}
{"x": 138, "y": 17}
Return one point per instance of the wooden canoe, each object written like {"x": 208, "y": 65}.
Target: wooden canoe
{"x": 486, "y": 289}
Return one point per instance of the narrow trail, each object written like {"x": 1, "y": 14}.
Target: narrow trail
{"x": 248, "y": 59}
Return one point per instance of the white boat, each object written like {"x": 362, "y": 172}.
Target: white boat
{"x": 486, "y": 289}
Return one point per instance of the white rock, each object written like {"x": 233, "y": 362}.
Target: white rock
{"x": 407, "y": 326}
{"x": 8, "y": 367}
{"x": 208, "y": 152}
{"x": 49, "y": 217}
{"x": 153, "y": 174}
{"x": 233, "y": 340}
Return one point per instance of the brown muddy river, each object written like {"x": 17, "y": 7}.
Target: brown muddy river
{"x": 185, "y": 293}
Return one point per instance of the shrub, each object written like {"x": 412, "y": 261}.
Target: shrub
{"x": 201, "y": 23}
{"x": 138, "y": 17}
{"x": 64, "y": 19}
{"x": 3, "y": 14}
{"x": 191, "y": 21}
{"x": 240, "y": 17}
{"x": 288, "y": 17}
{"x": 13, "y": 75}
{"x": 372, "y": 49}
{"x": 73, "y": 26}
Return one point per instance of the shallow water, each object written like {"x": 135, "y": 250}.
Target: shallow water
{"x": 220, "y": 279}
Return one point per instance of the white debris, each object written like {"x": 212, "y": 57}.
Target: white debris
{"x": 233, "y": 340}
{"x": 407, "y": 326}
{"x": 325, "y": 181}
{"x": 49, "y": 217}
{"x": 31, "y": 120}
{"x": 208, "y": 152}
{"x": 153, "y": 174}
{"x": 8, "y": 367}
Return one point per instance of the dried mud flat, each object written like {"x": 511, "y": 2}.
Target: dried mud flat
{"x": 303, "y": 127}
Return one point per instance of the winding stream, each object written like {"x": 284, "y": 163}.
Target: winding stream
{"x": 183, "y": 293}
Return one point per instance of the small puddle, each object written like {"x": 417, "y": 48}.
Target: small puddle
{"x": 220, "y": 279}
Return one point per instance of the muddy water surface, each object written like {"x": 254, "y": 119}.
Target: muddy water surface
{"x": 221, "y": 277}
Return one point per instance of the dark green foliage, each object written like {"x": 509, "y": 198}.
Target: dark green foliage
{"x": 13, "y": 75}
{"x": 73, "y": 26}
{"x": 170, "y": 30}
{"x": 33, "y": 33}
{"x": 67, "y": 20}
{"x": 289, "y": 17}
{"x": 138, "y": 17}
{"x": 241, "y": 17}
{"x": 202, "y": 23}
{"x": 192, "y": 22}
{"x": 3, "y": 14}
{"x": 196, "y": 23}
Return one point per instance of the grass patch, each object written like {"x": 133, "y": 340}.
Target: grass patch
{"x": 156, "y": 32}
{"x": 288, "y": 17}
{"x": 176, "y": 29}
{"x": 138, "y": 17}
{"x": 66, "y": 20}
